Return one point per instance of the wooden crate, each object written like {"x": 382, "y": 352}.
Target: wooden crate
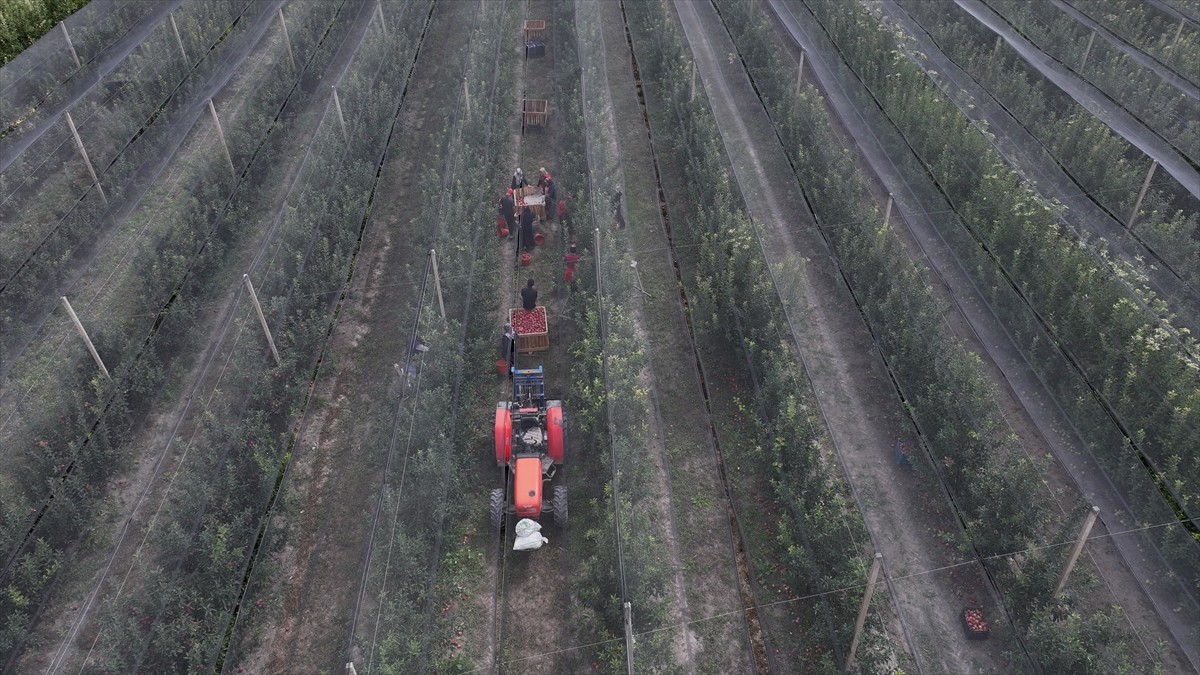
{"x": 529, "y": 343}
{"x": 533, "y": 342}
{"x": 534, "y": 113}
{"x": 535, "y": 29}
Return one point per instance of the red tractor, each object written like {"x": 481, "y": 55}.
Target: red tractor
{"x": 530, "y": 448}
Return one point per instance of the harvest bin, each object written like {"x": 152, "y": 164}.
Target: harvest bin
{"x": 973, "y": 634}
{"x": 528, "y": 343}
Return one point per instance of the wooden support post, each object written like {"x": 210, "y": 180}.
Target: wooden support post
{"x": 382, "y": 22}
{"x": 800, "y": 73}
{"x": 1178, "y": 32}
{"x": 337, "y": 103}
{"x": 437, "y": 282}
{"x": 221, "y": 134}
{"x": 83, "y": 333}
{"x": 287, "y": 39}
{"x": 261, "y": 318}
{"x": 1084, "y": 531}
{"x": 178, "y": 38}
{"x": 887, "y": 214}
{"x": 1086, "y": 52}
{"x": 862, "y": 610}
{"x": 692, "y": 97}
{"x": 628, "y": 622}
{"x": 70, "y": 45}
{"x": 1141, "y": 195}
{"x": 86, "y": 159}
{"x": 995, "y": 52}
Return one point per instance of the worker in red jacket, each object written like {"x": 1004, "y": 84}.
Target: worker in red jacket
{"x": 569, "y": 261}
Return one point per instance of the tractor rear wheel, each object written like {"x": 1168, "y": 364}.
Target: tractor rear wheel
{"x": 559, "y": 505}
{"x": 496, "y": 508}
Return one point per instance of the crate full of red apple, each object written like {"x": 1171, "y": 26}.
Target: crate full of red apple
{"x": 975, "y": 626}
{"x": 532, "y": 329}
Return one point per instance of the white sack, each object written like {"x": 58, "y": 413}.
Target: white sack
{"x": 529, "y": 537}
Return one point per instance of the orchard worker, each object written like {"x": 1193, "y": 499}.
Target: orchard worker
{"x": 518, "y": 179}
{"x": 508, "y": 209}
{"x": 618, "y": 212}
{"x": 416, "y": 347}
{"x": 551, "y": 191}
{"x": 508, "y": 347}
{"x": 569, "y": 261}
{"x": 526, "y": 229}
{"x": 529, "y": 296}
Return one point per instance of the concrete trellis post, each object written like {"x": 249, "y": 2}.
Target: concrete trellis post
{"x": 887, "y": 214}
{"x": 692, "y": 96}
{"x": 221, "y": 134}
{"x": 466, "y": 96}
{"x": 1084, "y": 531}
{"x": 1178, "y": 32}
{"x": 382, "y": 22}
{"x": 1141, "y": 195}
{"x": 86, "y": 159}
{"x": 862, "y": 610}
{"x": 286, "y": 39}
{"x": 178, "y": 38}
{"x": 628, "y": 620}
{"x": 1087, "y": 51}
{"x": 800, "y": 73}
{"x": 995, "y": 51}
{"x": 597, "y": 247}
{"x": 70, "y": 45}
{"x": 337, "y": 103}
{"x": 261, "y": 318}
{"x": 83, "y": 333}
{"x": 437, "y": 282}
{"x": 350, "y": 669}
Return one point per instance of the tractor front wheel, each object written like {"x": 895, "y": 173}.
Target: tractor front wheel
{"x": 559, "y": 505}
{"x": 496, "y": 509}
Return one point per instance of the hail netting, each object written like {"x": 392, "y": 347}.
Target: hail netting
{"x": 180, "y": 296}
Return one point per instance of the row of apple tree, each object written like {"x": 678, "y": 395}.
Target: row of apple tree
{"x": 998, "y": 492}
{"x": 97, "y": 428}
{"x": 1105, "y": 347}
